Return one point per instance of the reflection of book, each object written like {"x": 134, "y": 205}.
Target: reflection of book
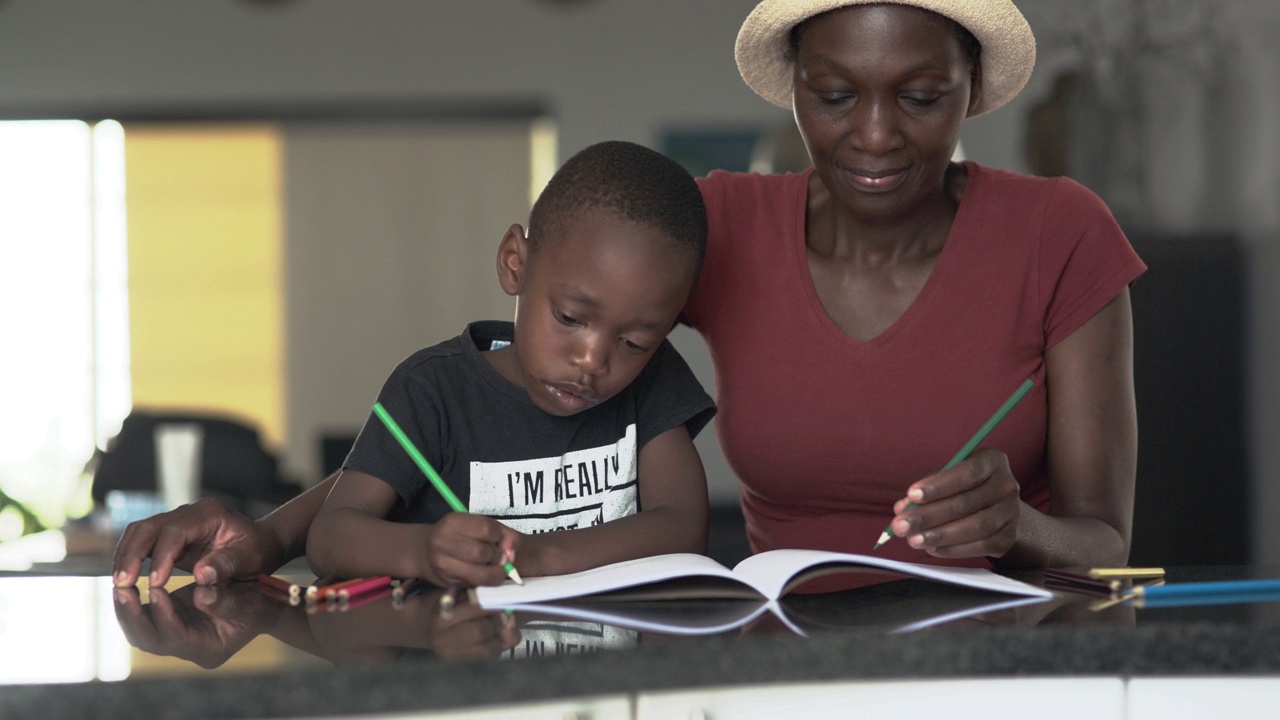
{"x": 669, "y": 617}
{"x": 862, "y": 609}
{"x": 903, "y": 606}
{"x": 764, "y": 577}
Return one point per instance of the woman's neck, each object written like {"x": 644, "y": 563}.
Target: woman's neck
{"x": 918, "y": 236}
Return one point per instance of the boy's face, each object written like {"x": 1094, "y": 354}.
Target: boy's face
{"x": 592, "y": 306}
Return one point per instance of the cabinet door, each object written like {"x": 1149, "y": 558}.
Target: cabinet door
{"x": 1042, "y": 698}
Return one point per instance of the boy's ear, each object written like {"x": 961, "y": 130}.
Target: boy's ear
{"x": 513, "y": 251}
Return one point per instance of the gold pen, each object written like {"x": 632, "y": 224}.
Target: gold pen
{"x": 1117, "y": 577}
{"x": 1129, "y": 573}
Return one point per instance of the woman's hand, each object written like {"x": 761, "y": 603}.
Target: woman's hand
{"x": 971, "y": 510}
{"x": 214, "y": 542}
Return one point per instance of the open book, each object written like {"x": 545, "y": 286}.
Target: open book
{"x": 612, "y": 593}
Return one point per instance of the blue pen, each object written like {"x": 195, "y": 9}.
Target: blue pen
{"x": 1221, "y": 592}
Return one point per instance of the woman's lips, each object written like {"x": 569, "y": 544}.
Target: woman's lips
{"x": 873, "y": 181}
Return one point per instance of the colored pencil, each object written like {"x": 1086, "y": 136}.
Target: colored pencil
{"x": 441, "y": 486}
{"x": 276, "y": 594}
{"x": 329, "y": 591}
{"x": 360, "y": 588}
{"x": 364, "y": 598}
{"x": 404, "y": 587}
{"x": 969, "y": 447}
{"x": 291, "y": 590}
{"x": 1126, "y": 572}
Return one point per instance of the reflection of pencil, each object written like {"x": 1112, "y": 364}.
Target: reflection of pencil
{"x": 441, "y": 486}
{"x": 973, "y": 443}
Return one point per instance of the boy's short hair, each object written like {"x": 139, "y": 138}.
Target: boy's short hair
{"x": 639, "y": 184}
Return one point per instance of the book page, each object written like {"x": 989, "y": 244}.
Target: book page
{"x": 618, "y": 576}
{"x": 776, "y": 571}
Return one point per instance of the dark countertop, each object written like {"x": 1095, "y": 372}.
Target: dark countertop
{"x": 1061, "y": 638}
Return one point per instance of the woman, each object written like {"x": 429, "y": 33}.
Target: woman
{"x": 865, "y": 317}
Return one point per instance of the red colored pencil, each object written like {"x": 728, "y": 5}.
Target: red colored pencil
{"x": 275, "y": 594}
{"x": 291, "y": 590}
{"x": 330, "y": 591}
{"x": 360, "y": 588}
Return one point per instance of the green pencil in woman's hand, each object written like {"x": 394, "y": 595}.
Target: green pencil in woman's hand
{"x": 978, "y": 437}
{"x": 441, "y": 486}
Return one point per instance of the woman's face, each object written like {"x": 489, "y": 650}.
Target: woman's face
{"x": 880, "y": 95}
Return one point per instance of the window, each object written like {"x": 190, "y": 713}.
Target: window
{"x": 64, "y": 372}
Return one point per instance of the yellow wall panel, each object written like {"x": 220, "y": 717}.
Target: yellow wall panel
{"x": 206, "y": 270}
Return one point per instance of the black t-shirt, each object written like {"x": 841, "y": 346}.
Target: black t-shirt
{"x": 506, "y": 458}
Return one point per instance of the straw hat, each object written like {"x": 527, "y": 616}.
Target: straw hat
{"x": 1008, "y": 47}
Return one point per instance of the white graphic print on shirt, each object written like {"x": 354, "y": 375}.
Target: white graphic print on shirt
{"x": 579, "y": 489}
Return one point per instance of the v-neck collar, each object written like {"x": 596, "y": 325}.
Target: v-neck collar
{"x": 922, "y": 300}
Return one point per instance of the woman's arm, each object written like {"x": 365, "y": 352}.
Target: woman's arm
{"x": 1092, "y": 449}
{"x": 974, "y": 509}
{"x": 216, "y": 543}
{"x": 672, "y": 517}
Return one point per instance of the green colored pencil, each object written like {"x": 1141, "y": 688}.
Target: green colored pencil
{"x": 969, "y": 447}
{"x": 432, "y": 475}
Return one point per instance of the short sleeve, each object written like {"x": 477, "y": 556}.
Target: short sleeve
{"x": 1085, "y": 259}
{"x": 376, "y": 451}
{"x": 669, "y": 394}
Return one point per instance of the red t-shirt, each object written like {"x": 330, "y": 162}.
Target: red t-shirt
{"x": 826, "y": 432}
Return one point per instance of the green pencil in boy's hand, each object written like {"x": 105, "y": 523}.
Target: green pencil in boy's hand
{"x": 969, "y": 446}
{"x": 432, "y": 475}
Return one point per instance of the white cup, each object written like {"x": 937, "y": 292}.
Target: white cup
{"x": 178, "y": 454}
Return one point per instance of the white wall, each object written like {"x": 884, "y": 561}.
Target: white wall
{"x": 392, "y": 230}
{"x": 613, "y": 69}
{"x": 607, "y": 68}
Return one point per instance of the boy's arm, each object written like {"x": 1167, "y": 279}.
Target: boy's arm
{"x": 672, "y": 517}
{"x": 351, "y": 538}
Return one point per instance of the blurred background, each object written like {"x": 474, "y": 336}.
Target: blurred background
{"x": 241, "y": 214}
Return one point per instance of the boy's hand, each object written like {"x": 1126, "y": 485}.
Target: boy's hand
{"x": 468, "y": 550}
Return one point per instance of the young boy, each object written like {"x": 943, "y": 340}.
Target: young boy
{"x": 568, "y": 434}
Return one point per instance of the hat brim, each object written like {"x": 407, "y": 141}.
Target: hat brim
{"x": 1008, "y": 45}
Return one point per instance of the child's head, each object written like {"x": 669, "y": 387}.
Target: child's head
{"x": 614, "y": 246}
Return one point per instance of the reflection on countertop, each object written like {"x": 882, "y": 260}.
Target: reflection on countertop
{"x": 75, "y": 646}
{"x": 76, "y": 629}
